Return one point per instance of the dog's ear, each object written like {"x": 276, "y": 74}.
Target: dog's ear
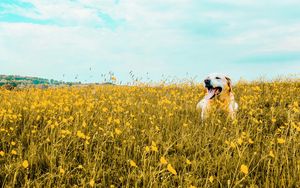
{"x": 229, "y": 83}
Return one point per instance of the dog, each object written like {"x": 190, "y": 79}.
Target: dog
{"x": 219, "y": 96}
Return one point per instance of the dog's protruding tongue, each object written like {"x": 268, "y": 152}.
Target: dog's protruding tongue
{"x": 211, "y": 93}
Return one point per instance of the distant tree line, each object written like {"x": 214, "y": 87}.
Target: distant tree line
{"x": 18, "y": 81}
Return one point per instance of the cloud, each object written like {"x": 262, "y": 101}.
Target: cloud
{"x": 62, "y": 13}
{"x": 272, "y": 58}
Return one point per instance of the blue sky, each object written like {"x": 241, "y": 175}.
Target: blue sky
{"x": 64, "y": 39}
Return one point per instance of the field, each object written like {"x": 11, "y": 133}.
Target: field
{"x": 140, "y": 136}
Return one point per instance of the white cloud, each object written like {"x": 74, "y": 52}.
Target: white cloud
{"x": 268, "y": 37}
{"x": 52, "y": 51}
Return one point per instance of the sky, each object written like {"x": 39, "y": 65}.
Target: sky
{"x": 82, "y": 40}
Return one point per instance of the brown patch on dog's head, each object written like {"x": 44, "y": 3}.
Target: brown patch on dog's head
{"x": 229, "y": 83}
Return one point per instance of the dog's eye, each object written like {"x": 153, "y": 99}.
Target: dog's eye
{"x": 218, "y": 78}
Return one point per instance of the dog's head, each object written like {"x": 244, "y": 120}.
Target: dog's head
{"x": 217, "y": 84}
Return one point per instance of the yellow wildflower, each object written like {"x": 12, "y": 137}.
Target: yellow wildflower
{"x": 154, "y": 148}
{"x": 188, "y": 162}
{"x": 250, "y": 141}
{"x": 117, "y": 121}
{"x": 80, "y": 134}
{"x": 244, "y": 169}
{"x": 280, "y": 140}
{"x": 14, "y": 152}
{"x": 171, "y": 169}
{"x": 147, "y": 148}
{"x": 232, "y": 145}
{"x": 92, "y": 183}
{"x": 62, "y": 171}
{"x": 132, "y": 163}
{"x": 239, "y": 141}
{"x": 118, "y": 131}
{"x": 25, "y": 164}
{"x": 163, "y": 160}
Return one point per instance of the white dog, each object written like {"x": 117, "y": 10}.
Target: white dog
{"x": 219, "y": 96}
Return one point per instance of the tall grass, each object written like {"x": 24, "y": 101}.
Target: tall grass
{"x": 116, "y": 136}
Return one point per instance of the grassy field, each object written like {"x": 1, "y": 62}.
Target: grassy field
{"x": 117, "y": 136}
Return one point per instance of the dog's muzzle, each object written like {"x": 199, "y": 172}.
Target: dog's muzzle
{"x": 212, "y": 91}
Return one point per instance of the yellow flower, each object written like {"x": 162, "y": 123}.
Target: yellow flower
{"x": 14, "y": 152}
{"x": 62, "y": 171}
{"x": 2, "y": 153}
{"x": 154, "y": 148}
{"x": 171, "y": 169}
{"x": 273, "y": 120}
{"x": 250, "y": 141}
{"x": 147, "y": 148}
{"x": 211, "y": 179}
{"x": 295, "y": 126}
{"x": 280, "y": 140}
{"x": 271, "y": 153}
{"x": 80, "y": 167}
{"x": 49, "y": 122}
{"x": 117, "y": 121}
{"x": 244, "y": 169}
{"x": 92, "y": 183}
{"x": 188, "y": 162}
{"x": 192, "y": 186}
{"x": 163, "y": 160}
{"x": 80, "y": 134}
{"x": 232, "y": 145}
{"x": 132, "y": 163}
{"x": 240, "y": 141}
{"x": 13, "y": 143}
{"x": 25, "y": 164}
{"x": 153, "y": 143}
{"x": 118, "y": 131}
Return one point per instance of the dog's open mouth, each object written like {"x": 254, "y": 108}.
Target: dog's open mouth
{"x": 213, "y": 91}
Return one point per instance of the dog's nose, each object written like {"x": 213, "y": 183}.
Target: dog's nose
{"x": 207, "y": 81}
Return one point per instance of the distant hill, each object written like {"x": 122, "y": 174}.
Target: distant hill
{"x": 16, "y": 80}
{"x": 22, "y": 81}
